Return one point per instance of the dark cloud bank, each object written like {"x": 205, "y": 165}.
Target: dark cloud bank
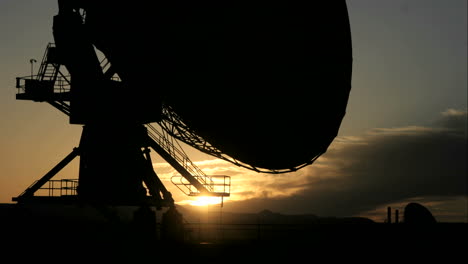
{"x": 382, "y": 167}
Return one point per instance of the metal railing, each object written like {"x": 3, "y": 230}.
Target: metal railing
{"x": 57, "y": 188}
{"x": 44, "y": 63}
{"x": 61, "y": 84}
{"x": 218, "y": 185}
{"x": 167, "y": 143}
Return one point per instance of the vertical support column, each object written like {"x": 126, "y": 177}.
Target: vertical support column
{"x": 389, "y": 215}
{"x": 112, "y": 165}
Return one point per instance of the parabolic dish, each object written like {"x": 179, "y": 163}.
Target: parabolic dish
{"x": 265, "y": 82}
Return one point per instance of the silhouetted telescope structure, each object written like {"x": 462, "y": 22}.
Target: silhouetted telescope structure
{"x": 262, "y": 84}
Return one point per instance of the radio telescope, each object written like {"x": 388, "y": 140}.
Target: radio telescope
{"x": 261, "y": 84}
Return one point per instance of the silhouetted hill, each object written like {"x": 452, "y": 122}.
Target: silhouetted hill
{"x": 215, "y": 215}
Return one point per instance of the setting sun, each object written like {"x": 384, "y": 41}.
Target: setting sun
{"x": 205, "y": 200}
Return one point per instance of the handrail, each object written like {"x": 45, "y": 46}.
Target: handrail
{"x": 179, "y": 155}
{"x": 67, "y": 187}
{"x": 219, "y": 188}
{"x": 186, "y": 185}
{"x": 42, "y": 68}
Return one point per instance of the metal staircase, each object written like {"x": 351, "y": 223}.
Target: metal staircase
{"x": 49, "y": 66}
{"x": 215, "y": 185}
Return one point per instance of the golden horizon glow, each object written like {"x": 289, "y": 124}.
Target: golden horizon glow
{"x": 205, "y": 200}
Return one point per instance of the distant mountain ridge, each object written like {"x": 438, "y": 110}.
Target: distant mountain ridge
{"x": 263, "y": 217}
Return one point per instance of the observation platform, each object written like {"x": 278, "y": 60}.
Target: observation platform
{"x": 50, "y": 84}
{"x": 33, "y": 89}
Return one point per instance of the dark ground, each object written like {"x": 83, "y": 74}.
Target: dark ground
{"x": 26, "y": 238}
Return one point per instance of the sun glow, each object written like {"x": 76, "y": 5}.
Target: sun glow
{"x": 205, "y": 200}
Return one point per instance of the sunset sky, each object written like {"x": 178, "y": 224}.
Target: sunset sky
{"x": 403, "y": 139}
